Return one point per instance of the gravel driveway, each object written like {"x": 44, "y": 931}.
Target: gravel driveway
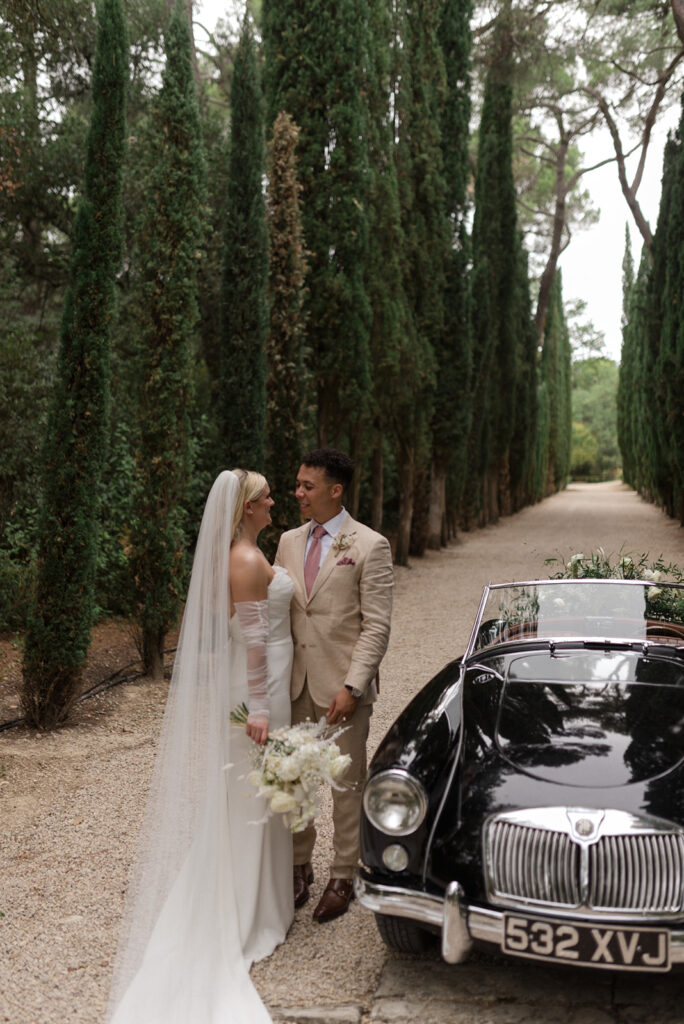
{"x": 71, "y": 801}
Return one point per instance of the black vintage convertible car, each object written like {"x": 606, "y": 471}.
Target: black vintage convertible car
{"x": 532, "y": 794}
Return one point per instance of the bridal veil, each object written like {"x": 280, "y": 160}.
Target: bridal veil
{"x": 179, "y": 959}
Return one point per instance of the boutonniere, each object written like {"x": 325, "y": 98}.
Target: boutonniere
{"x": 342, "y": 541}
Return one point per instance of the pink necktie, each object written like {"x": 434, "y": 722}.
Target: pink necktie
{"x": 313, "y": 558}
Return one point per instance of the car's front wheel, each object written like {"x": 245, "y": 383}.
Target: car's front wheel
{"x": 404, "y": 935}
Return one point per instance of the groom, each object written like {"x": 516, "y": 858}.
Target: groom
{"x": 341, "y": 609}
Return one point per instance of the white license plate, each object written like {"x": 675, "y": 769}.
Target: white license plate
{"x": 633, "y": 949}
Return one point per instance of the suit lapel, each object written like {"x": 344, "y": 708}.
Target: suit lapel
{"x": 298, "y": 548}
{"x": 330, "y": 560}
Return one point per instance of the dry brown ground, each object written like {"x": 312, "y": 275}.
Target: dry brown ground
{"x": 71, "y": 801}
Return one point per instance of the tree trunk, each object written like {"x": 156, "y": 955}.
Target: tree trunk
{"x": 153, "y": 654}
{"x": 559, "y": 214}
{"x": 378, "y": 484}
{"x": 628, "y": 192}
{"x": 437, "y": 506}
{"x": 357, "y": 456}
{"x": 406, "y": 475}
{"x": 421, "y": 510}
{"x": 678, "y": 15}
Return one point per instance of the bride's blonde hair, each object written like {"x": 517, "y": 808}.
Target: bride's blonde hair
{"x": 252, "y": 486}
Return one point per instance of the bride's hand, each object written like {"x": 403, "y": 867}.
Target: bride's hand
{"x": 257, "y": 729}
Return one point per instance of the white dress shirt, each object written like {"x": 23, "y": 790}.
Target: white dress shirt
{"x": 332, "y": 528}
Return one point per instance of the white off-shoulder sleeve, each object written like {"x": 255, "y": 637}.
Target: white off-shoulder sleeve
{"x": 253, "y": 618}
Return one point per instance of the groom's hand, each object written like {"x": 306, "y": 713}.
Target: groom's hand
{"x": 342, "y": 707}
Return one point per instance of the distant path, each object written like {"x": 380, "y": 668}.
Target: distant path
{"x": 71, "y": 802}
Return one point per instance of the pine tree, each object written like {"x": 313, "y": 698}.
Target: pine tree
{"x": 170, "y": 238}
{"x": 453, "y": 347}
{"x": 59, "y": 629}
{"x": 244, "y": 321}
{"x": 316, "y": 53}
{"x": 287, "y": 380}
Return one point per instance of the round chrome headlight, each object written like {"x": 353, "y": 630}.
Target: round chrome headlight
{"x": 394, "y": 802}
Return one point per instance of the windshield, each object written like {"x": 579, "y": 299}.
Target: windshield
{"x": 611, "y": 609}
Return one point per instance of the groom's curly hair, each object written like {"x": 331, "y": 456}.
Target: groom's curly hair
{"x": 338, "y": 467}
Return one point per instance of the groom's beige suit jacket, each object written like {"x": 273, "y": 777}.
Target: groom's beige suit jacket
{"x": 342, "y": 629}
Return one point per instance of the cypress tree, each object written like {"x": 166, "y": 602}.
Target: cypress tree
{"x": 170, "y": 235}
{"x": 316, "y": 54}
{"x": 555, "y": 391}
{"x": 670, "y": 360}
{"x": 244, "y": 309}
{"x": 453, "y": 346}
{"x": 390, "y": 331}
{"x": 422, "y": 197}
{"x": 523, "y": 408}
{"x": 495, "y": 251}
{"x": 658, "y": 467}
{"x": 635, "y": 401}
{"x": 626, "y": 379}
{"x": 59, "y": 628}
{"x": 287, "y": 380}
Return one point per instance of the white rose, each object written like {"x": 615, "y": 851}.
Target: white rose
{"x": 339, "y": 766}
{"x": 283, "y": 803}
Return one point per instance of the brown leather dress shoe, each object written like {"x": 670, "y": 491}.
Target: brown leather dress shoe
{"x": 302, "y": 877}
{"x": 335, "y": 900}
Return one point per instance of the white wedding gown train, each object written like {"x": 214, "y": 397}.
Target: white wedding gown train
{"x": 231, "y": 902}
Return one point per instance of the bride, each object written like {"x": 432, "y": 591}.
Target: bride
{"x": 211, "y": 890}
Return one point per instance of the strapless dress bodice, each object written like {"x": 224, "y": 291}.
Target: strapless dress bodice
{"x": 279, "y": 595}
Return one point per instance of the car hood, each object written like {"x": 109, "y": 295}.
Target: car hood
{"x": 591, "y": 719}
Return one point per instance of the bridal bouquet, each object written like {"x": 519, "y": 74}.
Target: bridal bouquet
{"x": 291, "y": 766}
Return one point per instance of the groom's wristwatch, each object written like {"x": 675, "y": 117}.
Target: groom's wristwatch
{"x": 354, "y": 692}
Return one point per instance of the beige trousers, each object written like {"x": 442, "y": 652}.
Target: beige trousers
{"x": 346, "y": 801}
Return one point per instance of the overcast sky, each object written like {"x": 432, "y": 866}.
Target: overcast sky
{"x": 592, "y": 263}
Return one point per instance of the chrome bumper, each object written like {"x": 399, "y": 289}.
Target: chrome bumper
{"x": 459, "y": 923}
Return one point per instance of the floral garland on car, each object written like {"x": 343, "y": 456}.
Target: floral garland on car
{"x": 662, "y": 604}
{"x": 600, "y": 566}
{"x": 292, "y": 765}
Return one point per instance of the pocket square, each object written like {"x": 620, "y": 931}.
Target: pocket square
{"x": 346, "y": 561}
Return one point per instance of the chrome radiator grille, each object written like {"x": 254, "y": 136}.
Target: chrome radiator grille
{"x": 642, "y": 871}
{"x": 535, "y": 864}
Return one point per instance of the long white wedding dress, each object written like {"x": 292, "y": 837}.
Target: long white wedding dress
{"x": 211, "y": 889}
{"x": 262, "y": 853}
